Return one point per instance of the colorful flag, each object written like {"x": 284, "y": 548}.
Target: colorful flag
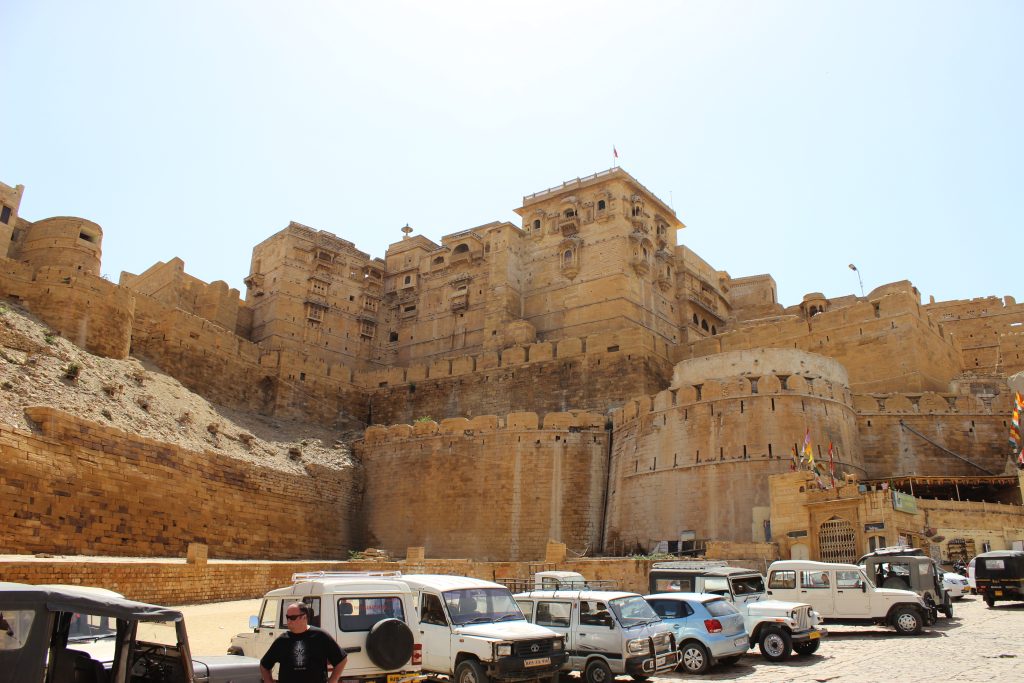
{"x": 1018, "y": 404}
{"x": 796, "y": 462}
{"x": 615, "y": 152}
{"x": 808, "y": 451}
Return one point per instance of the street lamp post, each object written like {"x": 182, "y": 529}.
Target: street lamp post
{"x": 854, "y": 269}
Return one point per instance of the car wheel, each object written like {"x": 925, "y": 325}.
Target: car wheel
{"x": 470, "y": 671}
{"x": 694, "y": 658}
{"x": 774, "y": 643}
{"x": 597, "y": 671}
{"x": 947, "y": 608}
{"x": 638, "y": 677}
{"x": 907, "y": 621}
{"x": 731, "y": 661}
{"x": 389, "y": 644}
{"x": 989, "y": 600}
{"x": 808, "y": 648}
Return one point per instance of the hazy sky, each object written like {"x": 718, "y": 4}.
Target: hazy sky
{"x": 792, "y": 138}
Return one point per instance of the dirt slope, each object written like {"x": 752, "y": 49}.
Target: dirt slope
{"x": 39, "y": 368}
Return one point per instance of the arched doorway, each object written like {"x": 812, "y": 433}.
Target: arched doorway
{"x": 837, "y": 541}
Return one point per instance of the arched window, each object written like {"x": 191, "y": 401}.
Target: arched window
{"x": 713, "y": 330}
{"x": 536, "y": 224}
{"x": 408, "y": 279}
{"x": 461, "y": 249}
{"x": 636, "y": 210}
{"x": 569, "y": 213}
{"x": 567, "y": 257}
{"x": 695, "y": 321}
{"x": 704, "y": 325}
{"x": 601, "y": 205}
{"x": 439, "y": 260}
{"x": 645, "y": 253}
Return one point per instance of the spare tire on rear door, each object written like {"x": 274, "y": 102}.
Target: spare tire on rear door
{"x": 389, "y": 643}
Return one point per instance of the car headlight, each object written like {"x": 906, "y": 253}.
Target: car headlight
{"x": 638, "y": 646}
{"x": 504, "y": 650}
{"x": 558, "y": 645}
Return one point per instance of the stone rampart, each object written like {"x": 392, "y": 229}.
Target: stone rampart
{"x": 589, "y": 373}
{"x": 696, "y": 457}
{"x": 904, "y": 434}
{"x": 484, "y": 487}
{"x": 78, "y": 487}
{"x": 885, "y": 345}
{"x": 87, "y": 310}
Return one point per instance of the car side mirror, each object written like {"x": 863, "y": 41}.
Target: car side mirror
{"x": 254, "y": 622}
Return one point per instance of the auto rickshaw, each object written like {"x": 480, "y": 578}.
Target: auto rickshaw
{"x": 999, "y": 575}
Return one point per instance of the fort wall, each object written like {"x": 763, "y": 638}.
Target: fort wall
{"x": 81, "y": 488}
{"x": 65, "y": 242}
{"x": 487, "y": 488}
{"x": 974, "y": 427}
{"x": 89, "y": 311}
{"x": 170, "y": 284}
{"x": 989, "y": 331}
{"x": 589, "y": 373}
{"x": 696, "y": 457}
{"x": 885, "y": 344}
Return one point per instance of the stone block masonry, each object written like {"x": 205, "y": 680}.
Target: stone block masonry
{"x": 82, "y": 488}
{"x": 475, "y": 488}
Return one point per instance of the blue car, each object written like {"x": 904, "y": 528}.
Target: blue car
{"x": 708, "y": 629}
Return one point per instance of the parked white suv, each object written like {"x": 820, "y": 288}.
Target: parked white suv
{"x": 608, "y": 632}
{"x": 843, "y": 593}
{"x": 395, "y": 626}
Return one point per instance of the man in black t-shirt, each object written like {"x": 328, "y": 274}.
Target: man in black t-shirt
{"x": 303, "y": 652}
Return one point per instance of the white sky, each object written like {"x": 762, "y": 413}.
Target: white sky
{"x": 792, "y": 138}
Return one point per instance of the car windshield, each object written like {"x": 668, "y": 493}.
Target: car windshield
{"x": 633, "y": 610}
{"x": 481, "y": 606}
{"x": 87, "y": 627}
{"x": 747, "y": 585}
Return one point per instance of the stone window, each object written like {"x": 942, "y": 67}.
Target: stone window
{"x": 601, "y": 205}
{"x": 393, "y": 337}
{"x": 5, "y": 214}
{"x": 408, "y": 279}
{"x": 461, "y": 249}
{"x": 439, "y": 261}
{"x": 536, "y": 224}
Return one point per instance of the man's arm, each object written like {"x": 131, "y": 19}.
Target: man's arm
{"x": 265, "y": 674}
{"x": 336, "y": 672}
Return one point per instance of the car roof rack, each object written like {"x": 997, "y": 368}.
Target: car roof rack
{"x": 690, "y": 564}
{"x": 313, "y": 576}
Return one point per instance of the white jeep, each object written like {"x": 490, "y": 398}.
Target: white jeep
{"x": 843, "y": 593}
{"x": 776, "y": 627}
{"x": 395, "y": 626}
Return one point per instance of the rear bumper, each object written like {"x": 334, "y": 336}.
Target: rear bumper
{"x": 729, "y": 646}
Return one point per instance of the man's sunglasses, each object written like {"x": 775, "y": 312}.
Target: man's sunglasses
{"x": 293, "y": 617}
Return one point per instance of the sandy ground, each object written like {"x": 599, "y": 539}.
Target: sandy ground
{"x": 211, "y": 626}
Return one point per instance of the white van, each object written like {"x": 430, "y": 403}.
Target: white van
{"x": 395, "y": 626}
{"x": 607, "y": 632}
{"x": 843, "y": 593}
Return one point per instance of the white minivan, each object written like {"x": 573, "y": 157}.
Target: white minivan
{"x": 607, "y": 633}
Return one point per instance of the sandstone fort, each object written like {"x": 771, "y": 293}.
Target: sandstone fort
{"x": 580, "y": 377}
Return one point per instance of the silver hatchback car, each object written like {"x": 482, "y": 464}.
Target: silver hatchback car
{"x": 708, "y": 628}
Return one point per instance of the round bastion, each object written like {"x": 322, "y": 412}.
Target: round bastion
{"x": 64, "y": 242}
{"x": 692, "y": 462}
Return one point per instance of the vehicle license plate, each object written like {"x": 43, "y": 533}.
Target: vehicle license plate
{"x": 815, "y": 634}
{"x": 537, "y": 661}
{"x": 998, "y": 593}
{"x": 742, "y": 642}
{"x": 659, "y": 661}
{"x": 398, "y": 678}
